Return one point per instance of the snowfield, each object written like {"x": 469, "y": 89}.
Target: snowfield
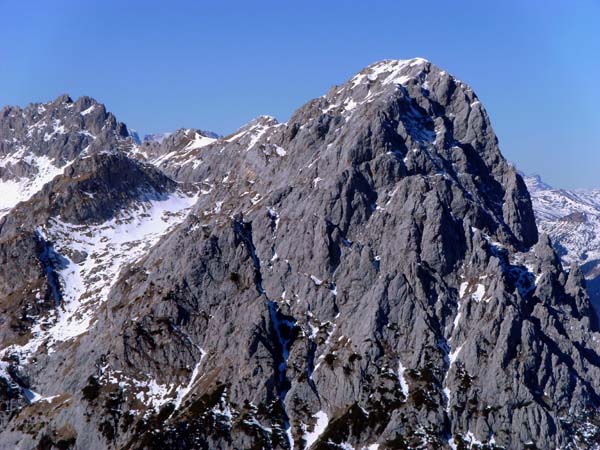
{"x": 89, "y": 260}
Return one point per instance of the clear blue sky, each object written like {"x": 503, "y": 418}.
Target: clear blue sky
{"x": 162, "y": 65}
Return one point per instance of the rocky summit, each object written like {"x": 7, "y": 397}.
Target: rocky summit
{"x": 367, "y": 275}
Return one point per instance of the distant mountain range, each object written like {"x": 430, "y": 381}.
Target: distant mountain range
{"x": 572, "y": 219}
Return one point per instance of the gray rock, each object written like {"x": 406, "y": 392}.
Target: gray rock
{"x": 367, "y": 273}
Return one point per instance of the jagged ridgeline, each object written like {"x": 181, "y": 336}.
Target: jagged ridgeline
{"x": 367, "y": 275}
{"x": 572, "y": 220}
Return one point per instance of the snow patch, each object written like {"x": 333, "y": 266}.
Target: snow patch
{"x": 18, "y": 190}
{"x": 479, "y": 292}
{"x": 105, "y": 248}
{"x": 317, "y": 281}
{"x": 403, "y": 382}
{"x": 320, "y": 426}
{"x": 199, "y": 141}
{"x": 87, "y": 111}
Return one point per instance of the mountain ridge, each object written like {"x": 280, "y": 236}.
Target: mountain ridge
{"x": 366, "y": 275}
{"x": 571, "y": 217}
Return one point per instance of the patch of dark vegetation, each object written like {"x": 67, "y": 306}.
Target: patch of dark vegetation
{"x": 127, "y": 421}
{"x": 354, "y": 357}
{"x": 61, "y": 440}
{"x": 424, "y": 392}
{"x": 252, "y": 423}
{"x": 112, "y": 413}
{"x": 207, "y": 401}
{"x": 398, "y": 442}
{"x": 352, "y": 423}
{"x": 330, "y": 359}
{"x": 422, "y": 397}
{"x": 107, "y": 429}
{"x": 361, "y": 422}
{"x": 92, "y": 390}
{"x": 234, "y": 277}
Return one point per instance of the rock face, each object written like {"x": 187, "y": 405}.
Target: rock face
{"x": 38, "y": 142}
{"x": 572, "y": 219}
{"x": 367, "y": 275}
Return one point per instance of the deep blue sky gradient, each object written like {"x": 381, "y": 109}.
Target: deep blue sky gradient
{"x": 162, "y": 65}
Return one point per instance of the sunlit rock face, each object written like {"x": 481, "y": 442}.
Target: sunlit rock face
{"x": 367, "y": 275}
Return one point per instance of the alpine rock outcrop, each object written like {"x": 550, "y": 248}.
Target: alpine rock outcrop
{"x": 367, "y": 275}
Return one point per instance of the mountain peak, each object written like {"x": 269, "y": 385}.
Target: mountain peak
{"x": 372, "y": 257}
{"x": 393, "y": 72}
{"x": 39, "y": 141}
{"x": 396, "y": 64}
{"x": 63, "y": 98}
{"x": 535, "y": 183}
{"x": 396, "y": 81}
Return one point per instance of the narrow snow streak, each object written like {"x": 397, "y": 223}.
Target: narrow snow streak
{"x": 181, "y": 394}
{"x": 403, "y": 382}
